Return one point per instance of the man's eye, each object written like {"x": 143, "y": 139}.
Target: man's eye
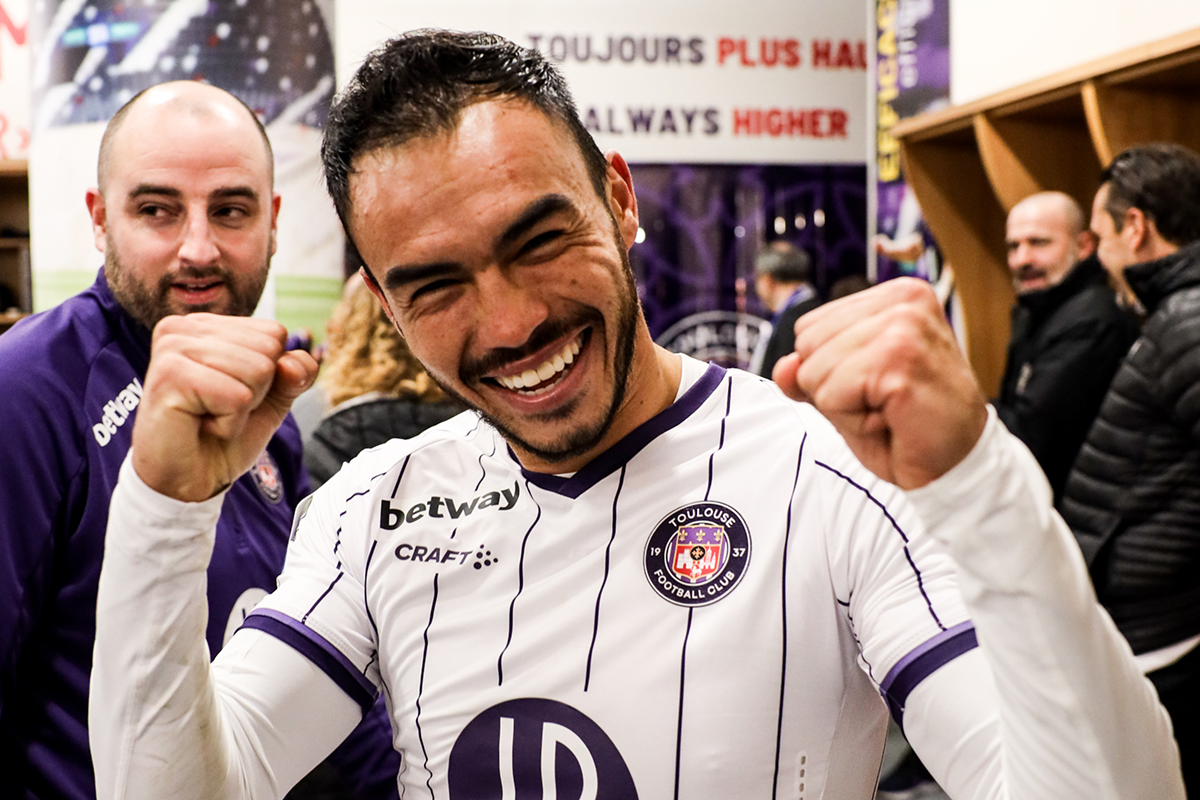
{"x": 541, "y": 240}
{"x": 431, "y": 289}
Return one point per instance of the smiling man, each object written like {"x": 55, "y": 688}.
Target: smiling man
{"x": 625, "y": 573}
{"x": 1068, "y": 332}
{"x": 185, "y": 214}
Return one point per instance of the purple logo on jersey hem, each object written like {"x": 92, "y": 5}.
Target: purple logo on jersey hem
{"x": 698, "y": 553}
{"x": 534, "y": 747}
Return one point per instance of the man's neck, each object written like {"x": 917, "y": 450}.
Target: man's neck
{"x": 782, "y": 294}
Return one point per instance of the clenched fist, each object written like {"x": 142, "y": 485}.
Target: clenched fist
{"x": 216, "y": 390}
{"x": 883, "y": 366}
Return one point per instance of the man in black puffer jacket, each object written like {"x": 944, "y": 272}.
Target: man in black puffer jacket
{"x": 1068, "y": 332}
{"x": 1133, "y": 498}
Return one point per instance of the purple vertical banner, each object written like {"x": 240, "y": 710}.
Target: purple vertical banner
{"x": 912, "y": 75}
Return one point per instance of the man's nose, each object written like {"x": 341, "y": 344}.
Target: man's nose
{"x": 199, "y": 245}
{"x": 1019, "y": 257}
{"x": 509, "y": 309}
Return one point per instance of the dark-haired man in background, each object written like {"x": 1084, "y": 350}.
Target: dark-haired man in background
{"x": 783, "y": 281}
{"x": 1133, "y": 498}
{"x": 1068, "y": 333}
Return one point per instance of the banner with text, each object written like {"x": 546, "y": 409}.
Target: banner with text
{"x": 912, "y": 71}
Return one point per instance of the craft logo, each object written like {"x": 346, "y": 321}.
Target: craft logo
{"x": 698, "y": 553}
{"x": 266, "y": 478}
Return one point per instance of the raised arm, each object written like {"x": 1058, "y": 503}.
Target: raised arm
{"x": 1071, "y": 716}
{"x": 166, "y": 723}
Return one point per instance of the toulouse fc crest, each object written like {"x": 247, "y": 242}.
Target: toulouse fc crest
{"x": 267, "y": 478}
{"x": 698, "y": 553}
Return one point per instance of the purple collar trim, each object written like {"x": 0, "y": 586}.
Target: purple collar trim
{"x": 623, "y": 451}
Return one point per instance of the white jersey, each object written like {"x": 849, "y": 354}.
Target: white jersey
{"x": 711, "y": 609}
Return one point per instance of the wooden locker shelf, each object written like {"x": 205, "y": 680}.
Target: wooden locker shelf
{"x": 970, "y": 164}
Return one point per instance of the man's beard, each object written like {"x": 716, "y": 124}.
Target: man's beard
{"x": 149, "y": 303}
{"x": 581, "y": 440}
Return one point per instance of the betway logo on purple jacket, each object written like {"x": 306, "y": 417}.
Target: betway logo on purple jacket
{"x": 116, "y": 412}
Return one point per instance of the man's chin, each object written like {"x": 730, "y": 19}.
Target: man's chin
{"x": 570, "y": 441}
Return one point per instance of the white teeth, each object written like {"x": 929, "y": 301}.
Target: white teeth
{"x": 545, "y": 371}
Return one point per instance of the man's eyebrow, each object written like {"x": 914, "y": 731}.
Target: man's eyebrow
{"x": 399, "y": 276}
{"x": 535, "y": 212}
{"x": 150, "y": 188}
{"x": 227, "y": 192}
{"x": 223, "y": 193}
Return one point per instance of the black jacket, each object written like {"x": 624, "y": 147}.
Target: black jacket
{"x": 1067, "y": 342}
{"x": 1133, "y": 499}
{"x": 783, "y": 336}
{"x": 365, "y": 422}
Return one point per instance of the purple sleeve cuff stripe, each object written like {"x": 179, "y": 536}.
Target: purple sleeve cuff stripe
{"x": 316, "y": 649}
{"x": 923, "y": 662}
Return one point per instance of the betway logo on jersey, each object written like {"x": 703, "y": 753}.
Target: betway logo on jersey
{"x": 439, "y": 507}
{"x": 117, "y": 412}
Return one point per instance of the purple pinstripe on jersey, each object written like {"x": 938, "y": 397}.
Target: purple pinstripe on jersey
{"x": 787, "y": 540}
{"x": 898, "y": 529}
{"x": 587, "y": 678}
{"x": 520, "y": 587}
{"x": 714, "y": 375}
{"x": 421, "y": 686}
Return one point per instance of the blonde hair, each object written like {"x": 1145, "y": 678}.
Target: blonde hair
{"x": 365, "y": 353}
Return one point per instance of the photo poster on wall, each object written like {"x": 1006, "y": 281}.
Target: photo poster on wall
{"x": 90, "y": 58}
{"x": 912, "y": 72}
{"x": 14, "y": 79}
{"x": 742, "y": 124}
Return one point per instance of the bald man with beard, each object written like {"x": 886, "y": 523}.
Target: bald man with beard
{"x": 184, "y": 212}
{"x": 1068, "y": 332}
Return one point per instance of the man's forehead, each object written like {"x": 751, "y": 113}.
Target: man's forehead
{"x": 502, "y": 153}
{"x": 166, "y": 134}
{"x": 1040, "y": 220}
{"x": 487, "y": 134}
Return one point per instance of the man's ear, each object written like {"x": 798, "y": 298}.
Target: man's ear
{"x": 98, "y": 213}
{"x": 373, "y": 285}
{"x": 1134, "y": 230}
{"x": 1085, "y": 243}
{"x": 275, "y": 201}
{"x": 621, "y": 199}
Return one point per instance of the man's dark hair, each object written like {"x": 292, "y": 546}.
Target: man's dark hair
{"x": 418, "y": 84}
{"x": 1163, "y": 182}
{"x": 784, "y": 262}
